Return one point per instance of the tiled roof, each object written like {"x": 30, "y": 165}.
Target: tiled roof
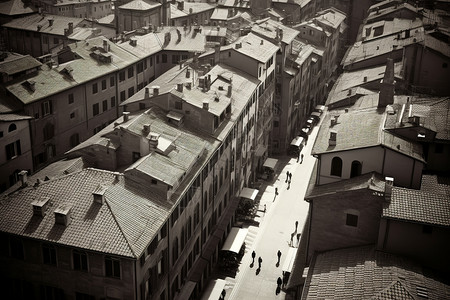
{"x": 15, "y": 7}
{"x": 372, "y": 181}
{"x": 112, "y": 227}
{"x": 196, "y": 7}
{"x": 50, "y": 81}
{"x": 267, "y": 27}
{"x": 140, "y": 5}
{"x": 30, "y": 23}
{"x": 361, "y": 51}
{"x": 364, "y": 273}
{"x": 13, "y": 117}
{"x": 251, "y": 46}
{"x": 220, "y": 14}
{"x": 57, "y": 169}
{"x": 389, "y": 27}
{"x": 434, "y": 115}
{"x": 430, "y": 205}
{"x": 354, "y": 134}
{"x": 182, "y": 40}
{"x": 395, "y": 290}
{"x": 330, "y": 17}
{"x": 146, "y": 45}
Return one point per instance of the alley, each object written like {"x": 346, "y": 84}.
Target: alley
{"x": 276, "y": 226}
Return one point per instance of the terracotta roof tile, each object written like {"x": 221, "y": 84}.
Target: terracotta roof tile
{"x": 335, "y": 274}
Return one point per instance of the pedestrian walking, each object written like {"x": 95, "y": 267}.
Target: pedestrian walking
{"x": 253, "y": 256}
{"x": 279, "y": 255}
{"x": 276, "y": 191}
{"x": 264, "y": 208}
{"x": 287, "y": 176}
{"x": 290, "y": 177}
{"x": 279, "y": 281}
{"x": 259, "y": 262}
{"x": 296, "y": 225}
{"x": 301, "y": 158}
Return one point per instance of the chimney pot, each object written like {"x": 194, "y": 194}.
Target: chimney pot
{"x": 206, "y": 104}
{"x": 23, "y": 177}
{"x": 388, "y": 184}
{"x": 126, "y": 116}
{"x": 147, "y": 93}
{"x": 62, "y": 215}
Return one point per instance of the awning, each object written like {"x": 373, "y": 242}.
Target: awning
{"x": 315, "y": 114}
{"x": 260, "y": 150}
{"x": 248, "y": 193}
{"x": 289, "y": 261}
{"x": 270, "y": 163}
{"x": 214, "y": 290}
{"x": 320, "y": 107}
{"x": 235, "y": 239}
{"x": 186, "y": 291}
{"x": 297, "y": 141}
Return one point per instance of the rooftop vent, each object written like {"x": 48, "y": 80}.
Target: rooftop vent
{"x": 415, "y": 120}
{"x": 188, "y": 73}
{"x": 238, "y": 45}
{"x": 30, "y": 85}
{"x": 23, "y": 177}
{"x": 67, "y": 71}
{"x": 40, "y": 206}
{"x": 206, "y": 104}
{"x": 146, "y": 129}
{"x": 133, "y": 42}
{"x": 365, "y": 79}
{"x": 126, "y": 116}
{"x": 388, "y": 184}
{"x": 62, "y": 214}
{"x": 50, "y": 22}
{"x": 230, "y": 89}
{"x": 155, "y": 90}
{"x": 180, "y": 87}
{"x": 105, "y": 45}
{"x": 349, "y": 92}
{"x": 99, "y": 194}
{"x": 333, "y": 136}
{"x": 39, "y": 27}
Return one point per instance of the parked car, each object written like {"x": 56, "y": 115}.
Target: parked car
{"x": 319, "y": 108}
{"x": 310, "y": 123}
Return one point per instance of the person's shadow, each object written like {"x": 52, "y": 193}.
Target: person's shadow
{"x": 258, "y": 270}
{"x": 251, "y": 265}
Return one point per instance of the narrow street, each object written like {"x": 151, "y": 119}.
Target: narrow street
{"x": 275, "y": 229}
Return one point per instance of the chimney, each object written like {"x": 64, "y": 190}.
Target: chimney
{"x": 153, "y": 143}
{"x": 23, "y": 177}
{"x": 387, "y": 87}
{"x": 70, "y": 27}
{"x": 238, "y": 45}
{"x": 206, "y": 104}
{"x": 230, "y": 90}
{"x": 365, "y": 79}
{"x": 216, "y": 54}
{"x": 180, "y": 87}
{"x": 188, "y": 73}
{"x": 105, "y": 46}
{"x": 40, "y": 206}
{"x": 334, "y": 121}
{"x": 133, "y": 42}
{"x": 180, "y": 5}
{"x": 166, "y": 38}
{"x": 39, "y": 27}
{"x": 349, "y": 92}
{"x": 126, "y": 116}
{"x": 388, "y": 184}
{"x": 147, "y": 93}
{"x": 146, "y": 129}
{"x": 155, "y": 90}
{"x": 62, "y": 214}
{"x": 281, "y": 34}
{"x": 99, "y": 194}
{"x": 333, "y": 136}
{"x": 50, "y": 22}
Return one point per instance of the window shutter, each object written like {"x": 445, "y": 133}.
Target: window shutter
{"x": 19, "y": 151}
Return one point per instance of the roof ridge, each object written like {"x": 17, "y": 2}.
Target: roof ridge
{"x": 118, "y": 225}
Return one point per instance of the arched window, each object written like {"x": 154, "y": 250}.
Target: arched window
{"x": 12, "y": 127}
{"x": 356, "y": 169}
{"x": 336, "y": 166}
